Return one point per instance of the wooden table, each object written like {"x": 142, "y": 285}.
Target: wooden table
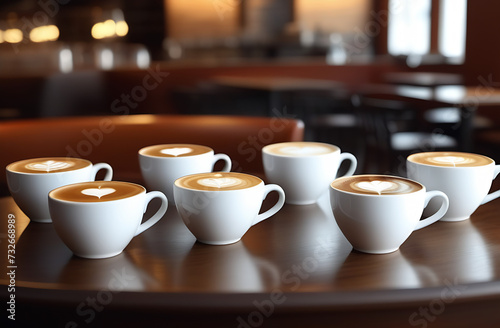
{"x": 276, "y": 87}
{"x": 294, "y": 269}
{"x": 467, "y": 98}
{"x": 425, "y": 79}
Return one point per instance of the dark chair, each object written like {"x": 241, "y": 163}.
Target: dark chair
{"x": 395, "y": 127}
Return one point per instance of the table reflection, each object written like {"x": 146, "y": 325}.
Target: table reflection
{"x": 41, "y": 253}
{"x": 392, "y": 271}
{"x": 116, "y": 273}
{"x": 458, "y": 252}
{"x": 225, "y": 268}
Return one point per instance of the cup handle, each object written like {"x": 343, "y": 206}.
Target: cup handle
{"x": 158, "y": 215}
{"x": 494, "y": 194}
{"x": 99, "y": 166}
{"x": 439, "y": 214}
{"x": 354, "y": 163}
{"x": 279, "y": 204}
{"x": 225, "y": 158}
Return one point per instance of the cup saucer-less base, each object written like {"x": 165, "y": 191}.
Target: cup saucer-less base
{"x": 220, "y": 243}
{"x": 383, "y": 251}
{"x": 101, "y": 256}
{"x": 454, "y": 219}
{"x": 306, "y": 202}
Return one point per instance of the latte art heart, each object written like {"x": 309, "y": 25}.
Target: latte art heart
{"x": 219, "y": 182}
{"x": 176, "y": 151}
{"x": 48, "y": 166}
{"x": 450, "y": 160}
{"x": 304, "y": 151}
{"x": 377, "y": 186}
{"x": 98, "y": 192}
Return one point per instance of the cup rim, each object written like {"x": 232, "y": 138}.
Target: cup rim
{"x": 143, "y": 149}
{"x": 378, "y": 195}
{"x": 261, "y": 182}
{"x": 143, "y": 191}
{"x": 409, "y": 159}
{"x": 7, "y": 168}
{"x": 265, "y": 148}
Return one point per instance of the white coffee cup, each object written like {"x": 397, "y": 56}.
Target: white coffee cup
{"x": 377, "y": 213}
{"x": 304, "y": 169}
{"x": 219, "y": 208}
{"x": 31, "y": 180}
{"x": 161, "y": 165}
{"x": 465, "y": 177}
{"x": 99, "y": 219}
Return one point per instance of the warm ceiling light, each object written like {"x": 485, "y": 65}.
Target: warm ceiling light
{"x": 121, "y": 28}
{"x": 98, "y": 31}
{"x": 44, "y": 33}
{"x": 13, "y": 35}
{"x": 1, "y": 36}
{"x": 104, "y": 30}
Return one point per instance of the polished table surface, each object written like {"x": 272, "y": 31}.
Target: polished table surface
{"x": 294, "y": 269}
{"x": 428, "y": 79}
{"x": 275, "y": 83}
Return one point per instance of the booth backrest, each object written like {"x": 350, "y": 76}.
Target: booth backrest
{"x": 116, "y": 139}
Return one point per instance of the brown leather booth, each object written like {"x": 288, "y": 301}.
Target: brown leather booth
{"x": 116, "y": 139}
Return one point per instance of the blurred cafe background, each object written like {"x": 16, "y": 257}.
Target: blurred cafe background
{"x": 376, "y": 77}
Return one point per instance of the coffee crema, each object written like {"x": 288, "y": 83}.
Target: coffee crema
{"x": 174, "y": 150}
{"x": 48, "y": 165}
{"x": 450, "y": 159}
{"x": 96, "y": 191}
{"x": 376, "y": 185}
{"x": 300, "y": 149}
{"x": 218, "y": 181}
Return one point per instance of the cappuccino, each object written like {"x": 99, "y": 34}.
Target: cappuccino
{"x": 174, "y": 150}
{"x": 218, "y": 181}
{"x": 450, "y": 159}
{"x": 376, "y": 185}
{"x": 96, "y": 191}
{"x": 300, "y": 149}
{"x": 48, "y": 165}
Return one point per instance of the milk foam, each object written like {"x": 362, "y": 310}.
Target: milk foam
{"x": 450, "y": 159}
{"x": 305, "y": 150}
{"x": 376, "y": 185}
{"x": 96, "y": 191}
{"x": 298, "y": 149}
{"x": 176, "y": 151}
{"x": 220, "y": 182}
{"x": 381, "y": 187}
{"x": 48, "y": 166}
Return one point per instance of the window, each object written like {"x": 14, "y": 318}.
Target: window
{"x": 452, "y": 29}
{"x": 422, "y": 27}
